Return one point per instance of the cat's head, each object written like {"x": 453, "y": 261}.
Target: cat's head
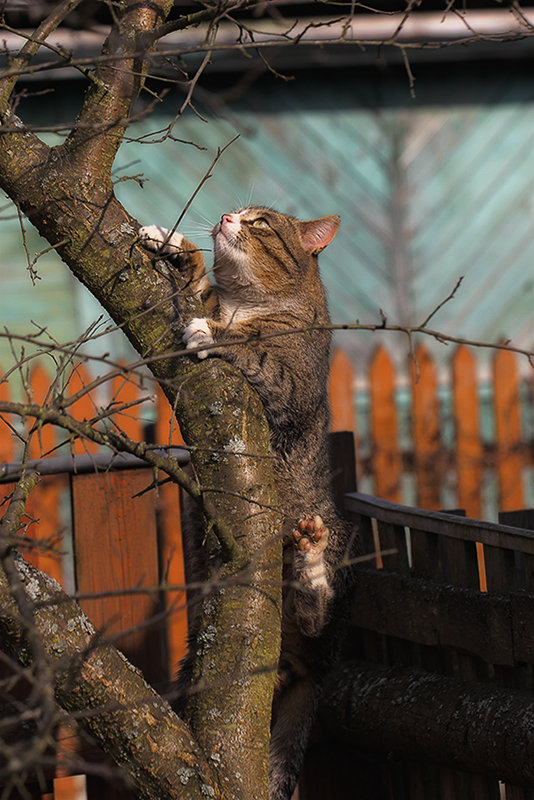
{"x": 262, "y": 249}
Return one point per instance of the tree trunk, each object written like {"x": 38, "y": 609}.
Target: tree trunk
{"x": 67, "y": 193}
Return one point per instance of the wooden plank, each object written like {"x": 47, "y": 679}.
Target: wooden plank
{"x": 509, "y": 569}
{"x": 172, "y": 574}
{"x": 483, "y": 788}
{"x": 84, "y": 408}
{"x": 460, "y": 563}
{"x": 116, "y": 551}
{"x": 426, "y": 554}
{"x": 440, "y": 522}
{"x": 461, "y": 569}
{"x": 439, "y": 615}
{"x": 502, "y": 567}
{"x": 386, "y": 457}
{"x": 365, "y": 536}
{"x": 46, "y": 535}
{"x": 469, "y": 455}
{"x": 508, "y": 435}
{"x": 171, "y": 545}
{"x": 394, "y": 547}
{"x": 429, "y": 468}
{"x": 341, "y": 393}
{"x": 513, "y": 792}
{"x": 479, "y": 550}
{"x": 7, "y": 449}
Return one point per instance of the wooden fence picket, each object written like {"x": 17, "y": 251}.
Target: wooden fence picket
{"x": 7, "y": 445}
{"x": 124, "y": 390}
{"x": 426, "y": 430}
{"x": 44, "y": 501}
{"x": 341, "y": 393}
{"x": 386, "y": 458}
{"x": 508, "y": 436}
{"x": 469, "y": 453}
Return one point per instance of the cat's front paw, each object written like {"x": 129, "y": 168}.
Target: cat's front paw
{"x": 197, "y": 334}
{"x": 158, "y": 239}
{"x": 311, "y": 534}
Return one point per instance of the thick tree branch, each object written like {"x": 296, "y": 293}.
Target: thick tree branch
{"x": 32, "y": 45}
{"x": 103, "y": 118}
{"x": 108, "y": 696}
{"x": 420, "y": 715}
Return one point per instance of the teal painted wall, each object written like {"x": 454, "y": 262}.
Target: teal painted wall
{"x": 428, "y": 190}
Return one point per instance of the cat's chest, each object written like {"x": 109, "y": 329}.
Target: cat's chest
{"x": 234, "y": 313}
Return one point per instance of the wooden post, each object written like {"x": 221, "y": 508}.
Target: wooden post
{"x": 469, "y": 454}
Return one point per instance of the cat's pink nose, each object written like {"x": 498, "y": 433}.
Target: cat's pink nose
{"x": 228, "y": 218}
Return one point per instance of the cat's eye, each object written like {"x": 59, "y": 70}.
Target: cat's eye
{"x": 260, "y": 223}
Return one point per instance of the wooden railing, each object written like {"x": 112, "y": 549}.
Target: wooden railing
{"x": 435, "y": 700}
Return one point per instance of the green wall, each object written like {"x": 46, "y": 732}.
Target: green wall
{"x": 428, "y": 190}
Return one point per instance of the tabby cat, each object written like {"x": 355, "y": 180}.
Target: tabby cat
{"x": 266, "y": 281}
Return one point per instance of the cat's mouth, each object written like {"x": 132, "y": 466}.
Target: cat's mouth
{"x": 227, "y": 236}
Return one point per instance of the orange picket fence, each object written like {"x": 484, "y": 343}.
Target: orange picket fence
{"x": 454, "y": 443}
{"x": 449, "y": 443}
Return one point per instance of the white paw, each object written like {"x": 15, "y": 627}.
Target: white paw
{"x": 196, "y": 334}
{"x": 158, "y": 239}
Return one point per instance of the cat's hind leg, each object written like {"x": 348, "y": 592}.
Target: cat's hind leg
{"x": 294, "y": 711}
{"x": 314, "y": 593}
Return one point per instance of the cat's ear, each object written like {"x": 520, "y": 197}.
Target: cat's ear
{"x": 317, "y": 233}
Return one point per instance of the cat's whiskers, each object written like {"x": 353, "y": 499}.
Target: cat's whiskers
{"x": 189, "y": 233}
